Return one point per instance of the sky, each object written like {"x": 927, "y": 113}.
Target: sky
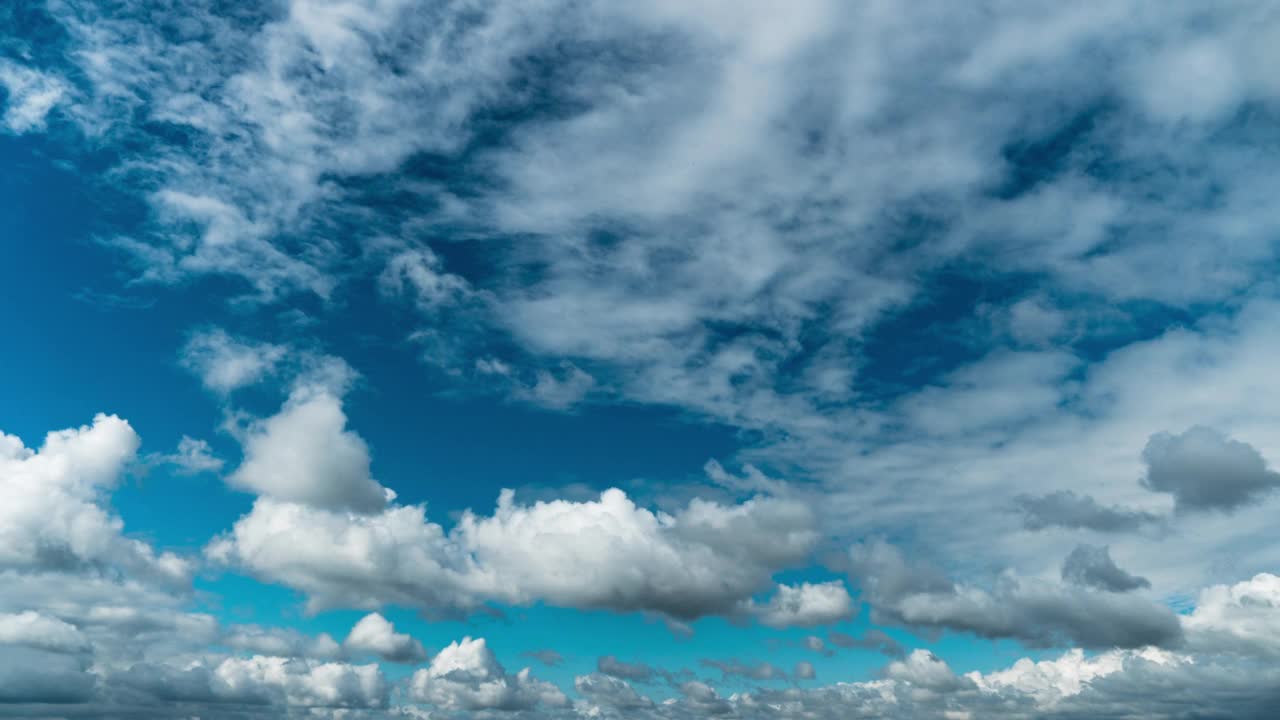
{"x": 560, "y": 359}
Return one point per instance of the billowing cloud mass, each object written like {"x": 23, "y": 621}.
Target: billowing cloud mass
{"x": 466, "y": 676}
{"x": 705, "y": 559}
{"x": 748, "y": 314}
{"x": 1031, "y": 611}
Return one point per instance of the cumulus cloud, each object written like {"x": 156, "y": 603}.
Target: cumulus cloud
{"x": 31, "y": 96}
{"x": 613, "y": 667}
{"x": 760, "y": 671}
{"x": 376, "y": 635}
{"x": 306, "y": 454}
{"x": 466, "y": 676}
{"x": 192, "y": 456}
{"x": 1092, "y": 566}
{"x": 804, "y": 605}
{"x": 261, "y": 679}
{"x": 1034, "y": 612}
{"x": 1204, "y": 469}
{"x": 705, "y": 559}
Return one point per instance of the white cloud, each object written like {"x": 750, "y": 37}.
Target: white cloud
{"x": 306, "y": 454}
{"x": 376, "y": 635}
{"x": 225, "y": 363}
{"x": 466, "y": 676}
{"x": 31, "y": 96}
{"x": 34, "y": 630}
{"x": 804, "y": 605}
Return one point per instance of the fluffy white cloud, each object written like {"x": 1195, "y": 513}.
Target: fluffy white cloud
{"x": 32, "y": 629}
{"x": 376, "y": 635}
{"x": 466, "y": 676}
{"x": 51, "y": 510}
{"x": 306, "y": 454}
{"x": 31, "y": 95}
{"x": 705, "y": 559}
{"x": 1244, "y": 617}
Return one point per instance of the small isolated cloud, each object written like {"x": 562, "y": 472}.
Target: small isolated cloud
{"x": 804, "y": 605}
{"x": 1204, "y": 469}
{"x": 375, "y": 635}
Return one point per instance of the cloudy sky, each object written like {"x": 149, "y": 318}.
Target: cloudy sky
{"x": 574, "y": 359}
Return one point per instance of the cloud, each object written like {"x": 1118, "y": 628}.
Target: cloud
{"x": 1206, "y": 470}
{"x": 602, "y": 691}
{"x": 1065, "y": 508}
{"x": 1035, "y": 613}
{"x": 804, "y": 605}
{"x": 466, "y": 676}
{"x": 375, "y": 635}
{"x": 872, "y": 639}
{"x": 33, "y": 630}
{"x": 546, "y": 656}
{"x": 1240, "y": 618}
{"x": 31, "y": 96}
{"x": 192, "y": 456}
{"x": 1092, "y": 566}
{"x": 705, "y": 559}
{"x": 613, "y": 667}
{"x": 225, "y": 363}
{"x": 924, "y": 669}
{"x": 306, "y": 454}
{"x": 51, "y": 511}
{"x": 260, "y": 679}
{"x": 760, "y": 671}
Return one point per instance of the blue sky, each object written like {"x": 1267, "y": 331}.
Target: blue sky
{"x": 701, "y": 358}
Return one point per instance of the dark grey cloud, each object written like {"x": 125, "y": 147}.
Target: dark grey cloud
{"x": 1203, "y": 469}
{"x": 1067, "y": 509}
{"x": 1092, "y": 566}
